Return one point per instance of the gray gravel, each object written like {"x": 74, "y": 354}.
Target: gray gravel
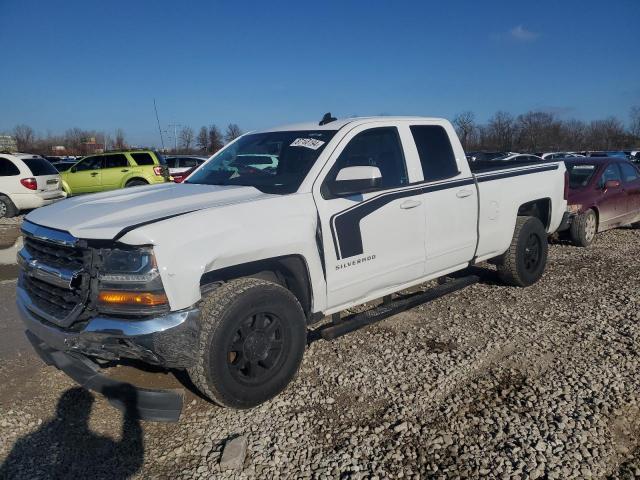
{"x": 490, "y": 382}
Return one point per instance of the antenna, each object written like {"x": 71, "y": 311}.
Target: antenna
{"x": 158, "y": 120}
{"x": 327, "y": 119}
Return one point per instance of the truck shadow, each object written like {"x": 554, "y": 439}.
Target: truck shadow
{"x": 65, "y": 447}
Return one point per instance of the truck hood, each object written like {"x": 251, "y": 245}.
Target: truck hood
{"x": 105, "y": 215}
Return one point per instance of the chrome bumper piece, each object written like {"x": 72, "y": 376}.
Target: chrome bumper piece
{"x": 169, "y": 340}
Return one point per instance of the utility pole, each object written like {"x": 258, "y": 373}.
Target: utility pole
{"x": 175, "y": 135}
{"x": 158, "y": 120}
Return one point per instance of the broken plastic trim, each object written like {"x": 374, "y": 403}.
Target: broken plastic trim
{"x": 142, "y": 403}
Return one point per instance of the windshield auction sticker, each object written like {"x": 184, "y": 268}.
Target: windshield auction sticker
{"x": 311, "y": 143}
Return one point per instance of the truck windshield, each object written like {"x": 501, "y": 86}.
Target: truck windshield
{"x": 580, "y": 174}
{"x": 272, "y": 162}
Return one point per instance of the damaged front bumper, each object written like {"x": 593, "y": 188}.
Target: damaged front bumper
{"x": 169, "y": 341}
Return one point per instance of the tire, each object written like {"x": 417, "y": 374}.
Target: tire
{"x": 135, "y": 183}
{"x": 524, "y": 262}
{"x": 7, "y": 208}
{"x": 238, "y": 364}
{"x": 583, "y": 229}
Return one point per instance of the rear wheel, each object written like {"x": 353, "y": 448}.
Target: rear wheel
{"x": 584, "y": 228}
{"x": 253, "y": 336}
{"x": 524, "y": 263}
{"x": 7, "y": 208}
{"x": 135, "y": 183}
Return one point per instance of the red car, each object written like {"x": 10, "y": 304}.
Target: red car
{"x": 181, "y": 176}
{"x": 604, "y": 193}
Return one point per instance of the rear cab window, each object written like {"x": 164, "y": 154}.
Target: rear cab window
{"x": 436, "y": 153}
{"x": 40, "y": 166}
{"x": 143, "y": 158}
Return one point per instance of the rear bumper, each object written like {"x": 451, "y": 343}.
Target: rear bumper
{"x": 27, "y": 201}
{"x": 567, "y": 218}
{"x": 169, "y": 340}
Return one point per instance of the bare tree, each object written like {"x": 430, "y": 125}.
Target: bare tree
{"x": 500, "y": 131}
{"x": 120, "y": 142}
{"x": 215, "y": 139}
{"x": 186, "y": 138}
{"x": 25, "y": 137}
{"x": 465, "y": 126}
{"x": 635, "y": 122}
{"x": 233, "y": 132}
{"x": 202, "y": 141}
{"x": 536, "y": 130}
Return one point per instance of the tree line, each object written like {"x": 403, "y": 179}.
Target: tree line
{"x": 533, "y": 131}
{"x": 539, "y": 131}
{"x": 77, "y": 141}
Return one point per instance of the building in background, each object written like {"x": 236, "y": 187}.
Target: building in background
{"x": 90, "y": 146}
{"x": 8, "y": 144}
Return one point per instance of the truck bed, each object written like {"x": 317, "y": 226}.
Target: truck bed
{"x": 484, "y": 166}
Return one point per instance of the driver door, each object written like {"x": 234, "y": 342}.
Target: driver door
{"x": 375, "y": 240}
{"x": 86, "y": 175}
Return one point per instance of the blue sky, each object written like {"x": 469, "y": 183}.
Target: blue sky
{"x": 99, "y": 65}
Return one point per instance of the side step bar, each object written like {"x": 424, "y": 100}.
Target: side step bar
{"x": 338, "y": 328}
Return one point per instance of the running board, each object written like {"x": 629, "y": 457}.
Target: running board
{"x": 388, "y": 308}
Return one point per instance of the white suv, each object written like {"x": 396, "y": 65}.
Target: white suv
{"x": 27, "y": 181}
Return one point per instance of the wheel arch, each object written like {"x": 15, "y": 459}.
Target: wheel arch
{"x": 539, "y": 208}
{"x": 290, "y": 271}
{"x": 133, "y": 179}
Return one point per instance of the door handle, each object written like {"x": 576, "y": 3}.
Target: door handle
{"x": 124, "y": 170}
{"x": 93, "y": 174}
{"x": 410, "y": 204}
{"x": 464, "y": 193}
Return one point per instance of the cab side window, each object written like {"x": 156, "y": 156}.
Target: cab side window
{"x": 612, "y": 172}
{"x": 435, "y": 151}
{"x": 629, "y": 172}
{"x": 115, "y": 160}
{"x": 8, "y": 168}
{"x": 376, "y": 147}
{"x": 89, "y": 163}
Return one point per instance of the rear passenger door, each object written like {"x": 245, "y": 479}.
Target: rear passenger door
{"x": 373, "y": 241}
{"x": 115, "y": 168}
{"x": 450, "y": 198}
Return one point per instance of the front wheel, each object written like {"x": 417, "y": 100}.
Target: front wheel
{"x": 524, "y": 263}
{"x": 584, "y": 228}
{"x": 253, "y": 336}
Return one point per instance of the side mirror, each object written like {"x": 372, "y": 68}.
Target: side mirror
{"x": 354, "y": 180}
{"x": 73, "y": 169}
{"x": 612, "y": 184}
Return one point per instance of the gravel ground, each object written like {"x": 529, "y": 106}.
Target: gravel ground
{"x": 489, "y": 382}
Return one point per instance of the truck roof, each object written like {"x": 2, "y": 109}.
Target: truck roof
{"x": 338, "y": 124}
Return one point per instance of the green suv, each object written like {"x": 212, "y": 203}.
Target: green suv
{"x": 108, "y": 171}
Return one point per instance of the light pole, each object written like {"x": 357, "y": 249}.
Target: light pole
{"x": 175, "y": 135}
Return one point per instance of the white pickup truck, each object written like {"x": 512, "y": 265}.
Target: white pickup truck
{"x": 221, "y": 275}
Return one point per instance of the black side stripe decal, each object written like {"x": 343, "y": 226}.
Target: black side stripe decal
{"x": 517, "y": 173}
{"x": 345, "y": 225}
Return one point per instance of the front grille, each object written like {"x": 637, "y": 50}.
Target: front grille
{"x": 55, "y": 273}
{"x": 60, "y": 256}
{"x": 51, "y": 300}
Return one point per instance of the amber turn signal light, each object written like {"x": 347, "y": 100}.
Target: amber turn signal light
{"x": 145, "y": 299}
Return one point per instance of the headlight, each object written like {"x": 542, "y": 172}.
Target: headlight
{"x": 574, "y": 208}
{"x": 129, "y": 282}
